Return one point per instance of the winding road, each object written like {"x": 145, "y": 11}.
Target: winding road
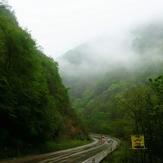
{"x": 90, "y": 153}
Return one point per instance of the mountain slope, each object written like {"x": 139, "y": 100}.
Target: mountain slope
{"x": 34, "y": 104}
{"x": 112, "y": 71}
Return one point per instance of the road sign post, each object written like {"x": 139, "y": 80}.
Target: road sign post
{"x": 138, "y": 145}
{"x": 137, "y": 141}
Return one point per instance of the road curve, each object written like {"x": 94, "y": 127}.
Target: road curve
{"x": 83, "y": 154}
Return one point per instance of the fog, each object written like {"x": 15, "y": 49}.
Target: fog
{"x": 60, "y": 25}
{"x": 97, "y": 56}
{"x": 92, "y": 37}
{"x": 134, "y": 49}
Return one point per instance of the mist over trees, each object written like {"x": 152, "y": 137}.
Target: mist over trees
{"x": 134, "y": 51}
{"x": 120, "y": 93}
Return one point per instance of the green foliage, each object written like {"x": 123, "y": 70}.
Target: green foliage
{"x": 121, "y": 155}
{"x": 143, "y": 105}
{"x": 126, "y": 108}
{"x": 63, "y": 144}
{"x": 34, "y": 104}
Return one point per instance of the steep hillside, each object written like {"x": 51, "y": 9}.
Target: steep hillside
{"x": 34, "y": 104}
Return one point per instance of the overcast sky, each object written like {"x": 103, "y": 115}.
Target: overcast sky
{"x": 61, "y": 25}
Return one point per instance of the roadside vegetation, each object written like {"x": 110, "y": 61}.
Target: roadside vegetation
{"x": 65, "y": 144}
{"x": 121, "y": 155}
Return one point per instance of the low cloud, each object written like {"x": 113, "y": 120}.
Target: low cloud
{"x": 130, "y": 50}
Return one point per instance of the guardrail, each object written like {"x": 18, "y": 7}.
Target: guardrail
{"x": 100, "y": 156}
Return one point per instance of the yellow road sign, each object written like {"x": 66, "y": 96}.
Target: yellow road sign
{"x": 137, "y": 141}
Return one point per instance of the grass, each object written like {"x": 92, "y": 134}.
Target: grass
{"x": 126, "y": 155}
{"x": 121, "y": 155}
{"x": 64, "y": 144}
{"x": 50, "y": 146}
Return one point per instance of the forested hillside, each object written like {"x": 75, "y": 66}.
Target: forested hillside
{"x": 127, "y": 98}
{"x": 34, "y": 104}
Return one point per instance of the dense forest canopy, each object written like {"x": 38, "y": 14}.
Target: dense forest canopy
{"x": 34, "y": 104}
